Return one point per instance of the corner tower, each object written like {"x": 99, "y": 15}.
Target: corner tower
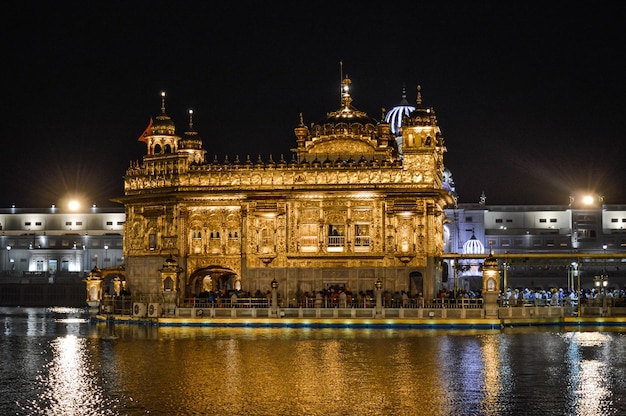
{"x": 423, "y": 145}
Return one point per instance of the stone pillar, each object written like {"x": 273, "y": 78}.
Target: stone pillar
{"x": 274, "y": 308}
{"x": 491, "y": 286}
{"x": 379, "y": 298}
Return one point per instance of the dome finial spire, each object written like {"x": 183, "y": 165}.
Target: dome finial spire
{"x": 340, "y": 71}
{"x": 190, "y": 119}
{"x": 345, "y": 92}
{"x": 163, "y": 102}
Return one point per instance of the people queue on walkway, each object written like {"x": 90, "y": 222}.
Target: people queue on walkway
{"x": 561, "y": 297}
{"x": 337, "y": 296}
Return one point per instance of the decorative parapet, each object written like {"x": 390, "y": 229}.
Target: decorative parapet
{"x": 209, "y": 175}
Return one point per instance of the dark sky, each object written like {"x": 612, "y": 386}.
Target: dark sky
{"x": 530, "y": 96}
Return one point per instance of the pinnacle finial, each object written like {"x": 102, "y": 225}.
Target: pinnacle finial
{"x": 345, "y": 92}
{"x": 163, "y": 102}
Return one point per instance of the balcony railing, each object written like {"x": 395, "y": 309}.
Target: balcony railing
{"x": 336, "y": 241}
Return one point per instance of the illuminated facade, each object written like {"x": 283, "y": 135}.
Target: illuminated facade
{"x": 59, "y": 244}
{"x": 582, "y": 226}
{"x": 346, "y": 209}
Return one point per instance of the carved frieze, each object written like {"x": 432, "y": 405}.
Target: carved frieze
{"x": 309, "y": 216}
{"x": 363, "y": 215}
{"x": 335, "y": 216}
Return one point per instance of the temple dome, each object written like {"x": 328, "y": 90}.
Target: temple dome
{"x": 347, "y": 113}
{"x": 491, "y": 262}
{"x": 421, "y": 116}
{"x": 162, "y": 123}
{"x": 473, "y": 246}
{"x": 396, "y": 114}
{"x": 191, "y": 139}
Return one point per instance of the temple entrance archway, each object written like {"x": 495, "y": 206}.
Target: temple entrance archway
{"x": 113, "y": 281}
{"x": 213, "y": 278}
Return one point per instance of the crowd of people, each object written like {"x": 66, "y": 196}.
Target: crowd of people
{"x": 337, "y": 296}
{"x": 561, "y": 297}
{"x": 334, "y": 296}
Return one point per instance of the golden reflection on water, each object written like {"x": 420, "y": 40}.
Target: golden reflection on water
{"x": 492, "y": 375}
{"x": 266, "y": 371}
{"x": 67, "y": 385}
{"x": 144, "y": 369}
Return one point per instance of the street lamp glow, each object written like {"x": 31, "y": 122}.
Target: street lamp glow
{"x": 73, "y": 205}
{"x": 587, "y": 200}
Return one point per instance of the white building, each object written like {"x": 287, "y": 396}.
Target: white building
{"x": 523, "y": 237}
{"x": 59, "y": 244}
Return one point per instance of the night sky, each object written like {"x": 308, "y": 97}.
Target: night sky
{"x": 530, "y": 96}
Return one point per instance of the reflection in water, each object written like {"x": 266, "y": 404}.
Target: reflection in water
{"x": 590, "y": 374}
{"x": 68, "y": 385}
{"x": 78, "y": 367}
{"x": 492, "y": 380}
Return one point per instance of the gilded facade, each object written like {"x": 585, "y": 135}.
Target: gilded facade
{"x": 347, "y": 208}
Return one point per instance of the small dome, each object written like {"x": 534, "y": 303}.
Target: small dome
{"x": 163, "y": 124}
{"x": 491, "y": 262}
{"x": 473, "y": 246}
{"x": 396, "y": 114}
{"x": 422, "y": 116}
{"x": 191, "y": 139}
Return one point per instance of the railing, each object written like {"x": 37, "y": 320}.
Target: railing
{"x": 226, "y": 303}
{"x": 463, "y": 303}
{"x": 308, "y": 240}
{"x": 35, "y": 274}
{"x": 125, "y": 302}
{"x": 123, "y": 305}
{"x": 336, "y": 240}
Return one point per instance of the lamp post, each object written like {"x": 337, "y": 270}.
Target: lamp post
{"x": 604, "y": 280}
{"x": 601, "y": 282}
{"x": 605, "y": 284}
{"x": 579, "y": 295}
{"x": 8, "y": 258}
{"x": 106, "y": 255}
{"x": 505, "y": 274}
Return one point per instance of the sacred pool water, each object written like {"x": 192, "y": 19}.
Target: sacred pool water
{"x": 56, "y": 362}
